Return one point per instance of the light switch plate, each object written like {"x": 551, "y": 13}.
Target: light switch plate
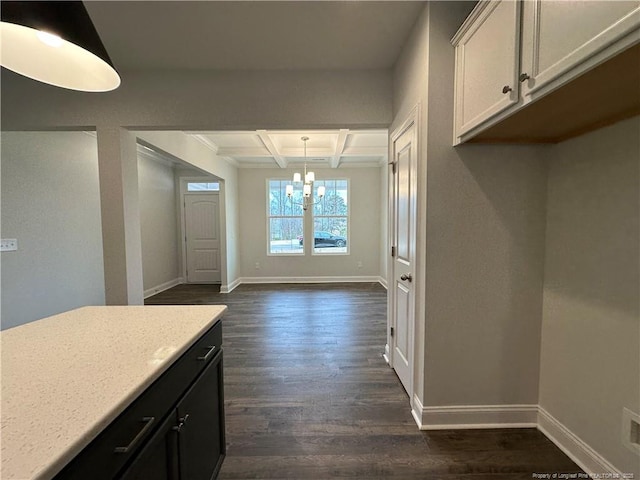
{"x": 8, "y": 245}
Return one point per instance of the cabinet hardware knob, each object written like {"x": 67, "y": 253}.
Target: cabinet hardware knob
{"x": 181, "y": 422}
{"x": 524, "y": 76}
{"x": 148, "y": 421}
{"x": 406, "y": 276}
{"x": 506, "y": 89}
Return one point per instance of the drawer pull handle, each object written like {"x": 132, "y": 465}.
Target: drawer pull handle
{"x": 148, "y": 421}
{"x": 506, "y": 89}
{"x": 206, "y": 356}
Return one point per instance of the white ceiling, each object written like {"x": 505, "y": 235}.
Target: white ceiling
{"x": 257, "y": 35}
{"x": 285, "y": 148}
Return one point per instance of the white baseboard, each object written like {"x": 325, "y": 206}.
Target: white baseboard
{"x": 351, "y": 279}
{"x": 474, "y": 416}
{"x": 577, "y": 450}
{"x": 513, "y": 416}
{"x": 162, "y": 287}
{"x": 229, "y": 288}
{"x": 256, "y": 280}
{"x": 383, "y": 282}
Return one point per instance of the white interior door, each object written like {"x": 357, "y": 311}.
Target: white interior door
{"x": 202, "y": 234}
{"x": 403, "y": 211}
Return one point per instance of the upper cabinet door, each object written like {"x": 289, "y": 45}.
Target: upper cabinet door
{"x": 558, "y": 36}
{"x": 487, "y": 63}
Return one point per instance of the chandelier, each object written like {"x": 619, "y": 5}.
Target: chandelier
{"x": 307, "y": 187}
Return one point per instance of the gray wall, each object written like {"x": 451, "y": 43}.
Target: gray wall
{"x": 196, "y": 154}
{"x": 364, "y": 227}
{"x": 158, "y": 222}
{"x": 207, "y": 101}
{"x": 51, "y": 204}
{"x": 481, "y": 239}
{"x": 485, "y": 253}
{"x": 591, "y": 328}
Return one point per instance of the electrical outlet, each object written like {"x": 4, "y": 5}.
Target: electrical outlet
{"x": 359, "y": 264}
{"x": 8, "y": 245}
{"x": 631, "y": 430}
{"x": 257, "y": 265}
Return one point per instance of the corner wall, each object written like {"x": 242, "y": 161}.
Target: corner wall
{"x": 590, "y": 357}
{"x": 51, "y": 205}
{"x": 158, "y": 224}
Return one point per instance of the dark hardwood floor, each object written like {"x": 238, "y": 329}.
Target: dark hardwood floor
{"x": 308, "y": 394}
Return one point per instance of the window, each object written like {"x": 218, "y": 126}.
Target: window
{"x": 330, "y": 218}
{"x": 286, "y": 220}
{"x": 203, "y": 187}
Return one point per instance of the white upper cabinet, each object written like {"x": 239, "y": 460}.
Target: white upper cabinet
{"x": 559, "y": 36}
{"x": 531, "y": 48}
{"x": 487, "y": 63}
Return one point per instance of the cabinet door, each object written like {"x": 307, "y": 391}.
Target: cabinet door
{"x": 487, "y": 63}
{"x": 158, "y": 459}
{"x": 201, "y": 438}
{"x": 558, "y": 36}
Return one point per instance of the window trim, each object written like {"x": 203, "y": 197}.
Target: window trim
{"x": 304, "y": 222}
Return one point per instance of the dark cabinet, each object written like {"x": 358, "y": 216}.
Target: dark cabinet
{"x": 200, "y": 438}
{"x": 173, "y": 431}
{"x": 189, "y": 445}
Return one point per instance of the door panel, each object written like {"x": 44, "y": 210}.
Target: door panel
{"x": 404, "y": 204}
{"x": 403, "y": 296}
{"x": 203, "y": 238}
{"x": 487, "y": 60}
{"x": 201, "y": 438}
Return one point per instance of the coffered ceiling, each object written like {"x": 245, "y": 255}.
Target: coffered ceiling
{"x": 284, "y": 148}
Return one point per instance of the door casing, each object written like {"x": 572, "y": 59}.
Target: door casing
{"x": 412, "y": 121}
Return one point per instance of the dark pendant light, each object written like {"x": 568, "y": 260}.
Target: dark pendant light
{"x": 55, "y": 43}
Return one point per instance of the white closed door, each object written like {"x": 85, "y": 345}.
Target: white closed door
{"x": 403, "y": 210}
{"x": 202, "y": 235}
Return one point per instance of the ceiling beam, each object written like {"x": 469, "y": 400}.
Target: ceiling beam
{"x": 206, "y": 142}
{"x": 266, "y": 139}
{"x": 342, "y": 141}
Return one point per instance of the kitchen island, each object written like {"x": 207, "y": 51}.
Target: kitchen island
{"x": 89, "y": 392}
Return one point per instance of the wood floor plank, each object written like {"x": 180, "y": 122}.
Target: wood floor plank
{"x": 309, "y": 396}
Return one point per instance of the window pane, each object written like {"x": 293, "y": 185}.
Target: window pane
{"x": 279, "y": 203}
{"x": 286, "y": 221}
{"x": 203, "y": 187}
{"x": 330, "y": 222}
{"x": 285, "y": 235}
{"x": 335, "y": 198}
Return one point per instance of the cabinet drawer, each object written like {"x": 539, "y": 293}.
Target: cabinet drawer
{"x": 114, "y": 448}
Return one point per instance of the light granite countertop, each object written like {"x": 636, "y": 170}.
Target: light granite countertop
{"x": 66, "y": 377}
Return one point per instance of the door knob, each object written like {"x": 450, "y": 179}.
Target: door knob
{"x": 405, "y": 276}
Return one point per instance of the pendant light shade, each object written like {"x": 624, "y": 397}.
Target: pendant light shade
{"x": 55, "y": 43}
